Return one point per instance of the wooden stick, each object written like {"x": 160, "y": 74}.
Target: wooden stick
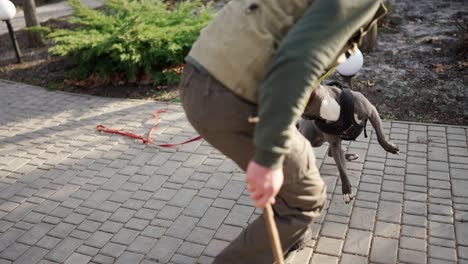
{"x": 273, "y": 234}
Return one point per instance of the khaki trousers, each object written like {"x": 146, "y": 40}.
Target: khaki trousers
{"x": 221, "y": 118}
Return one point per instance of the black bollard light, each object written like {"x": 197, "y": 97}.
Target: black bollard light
{"x": 8, "y": 12}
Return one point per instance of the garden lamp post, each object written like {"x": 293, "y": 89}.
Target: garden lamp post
{"x": 351, "y": 66}
{"x": 7, "y": 12}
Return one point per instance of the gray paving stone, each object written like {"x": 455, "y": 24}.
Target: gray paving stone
{"x": 334, "y": 230}
{"x": 87, "y": 250}
{"x": 218, "y": 180}
{"x": 98, "y": 239}
{"x": 232, "y": 190}
{"x": 459, "y": 188}
{"x": 441, "y": 230}
{"x": 389, "y": 212}
{"x": 164, "y": 249}
{"x": 392, "y": 186}
{"x": 170, "y": 212}
{"x": 200, "y": 236}
{"x": 125, "y": 236}
{"x": 96, "y": 198}
{"x": 439, "y": 184}
{"x": 208, "y": 193}
{"x": 329, "y": 246}
{"x": 387, "y": 230}
{"x": 191, "y": 249}
{"x": 183, "y": 197}
{"x": 74, "y": 218}
{"x": 13, "y": 251}
{"x": 64, "y": 249}
{"x": 213, "y": 218}
{"x": 182, "y": 227}
{"x": 215, "y": 247}
{"x": 319, "y": 259}
{"x": 142, "y": 244}
{"x": 32, "y": 255}
{"x": 357, "y": 242}
{"x": 303, "y": 256}
{"x": 413, "y": 243}
{"x": 89, "y": 226}
{"x": 384, "y": 250}
{"x": 411, "y": 256}
{"x": 122, "y": 215}
{"x": 137, "y": 224}
{"x": 239, "y": 215}
{"x": 23, "y": 225}
{"x": 440, "y": 193}
{"x": 181, "y": 259}
{"x": 62, "y": 230}
{"x": 32, "y": 236}
{"x": 363, "y": 218}
{"x": 103, "y": 259}
{"x": 164, "y": 194}
{"x": 77, "y": 258}
{"x": 444, "y": 253}
{"x": 113, "y": 250}
{"x": 99, "y": 216}
{"x": 352, "y": 259}
{"x": 19, "y": 212}
{"x": 416, "y": 220}
{"x": 228, "y": 232}
{"x": 413, "y": 231}
{"x": 129, "y": 257}
{"x": 153, "y": 231}
{"x": 198, "y": 206}
{"x": 168, "y": 167}
{"x": 48, "y": 242}
{"x": 419, "y": 180}
{"x": 416, "y": 208}
{"x": 416, "y": 169}
{"x": 161, "y": 223}
{"x": 462, "y": 233}
{"x": 442, "y": 242}
{"x": 462, "y": 252}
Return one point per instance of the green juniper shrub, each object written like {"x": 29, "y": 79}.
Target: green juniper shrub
{"x": 131, "y": 39}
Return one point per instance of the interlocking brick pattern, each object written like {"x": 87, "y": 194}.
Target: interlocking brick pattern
{"x": 69, "y": 194}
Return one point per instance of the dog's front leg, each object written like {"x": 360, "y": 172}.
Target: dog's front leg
{"x": 339, "y": 157}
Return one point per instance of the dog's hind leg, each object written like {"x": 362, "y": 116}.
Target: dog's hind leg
{"x": 376, "y": 122}
{"x": 338, "y": 155}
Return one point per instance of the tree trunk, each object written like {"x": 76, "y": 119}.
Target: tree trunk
{"x": 369, "y": 43}
{"x": 35, "y": 39}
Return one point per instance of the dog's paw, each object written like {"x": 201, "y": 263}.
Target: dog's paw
{"x": 351, "y": 157}
{"x": 348, "y": 198}
{"x": 392, "y": 148}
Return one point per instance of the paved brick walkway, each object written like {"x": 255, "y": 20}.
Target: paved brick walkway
{"x": 71, "y": 195}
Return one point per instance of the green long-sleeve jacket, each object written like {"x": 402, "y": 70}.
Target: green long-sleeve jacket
{"x": 311, "y": 47}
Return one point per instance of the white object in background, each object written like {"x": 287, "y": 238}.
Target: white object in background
{"x": 352, "y": 65}
{"x": 7, "y": 10}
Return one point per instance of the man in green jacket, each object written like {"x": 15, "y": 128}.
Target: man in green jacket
{"x": 247, "y": 80}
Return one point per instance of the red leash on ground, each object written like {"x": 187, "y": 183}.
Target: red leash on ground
{"x": 147, "y": 140}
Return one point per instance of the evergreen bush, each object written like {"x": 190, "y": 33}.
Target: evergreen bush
{"x": 131, "y": 40}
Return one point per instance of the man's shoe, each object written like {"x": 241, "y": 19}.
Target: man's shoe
{"x": 300, "y": 245}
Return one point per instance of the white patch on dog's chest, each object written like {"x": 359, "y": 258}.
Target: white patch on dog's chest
{"x": 330, "y": 109}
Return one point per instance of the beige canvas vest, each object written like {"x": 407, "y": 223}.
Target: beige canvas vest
{"x": 238, "y": 45}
